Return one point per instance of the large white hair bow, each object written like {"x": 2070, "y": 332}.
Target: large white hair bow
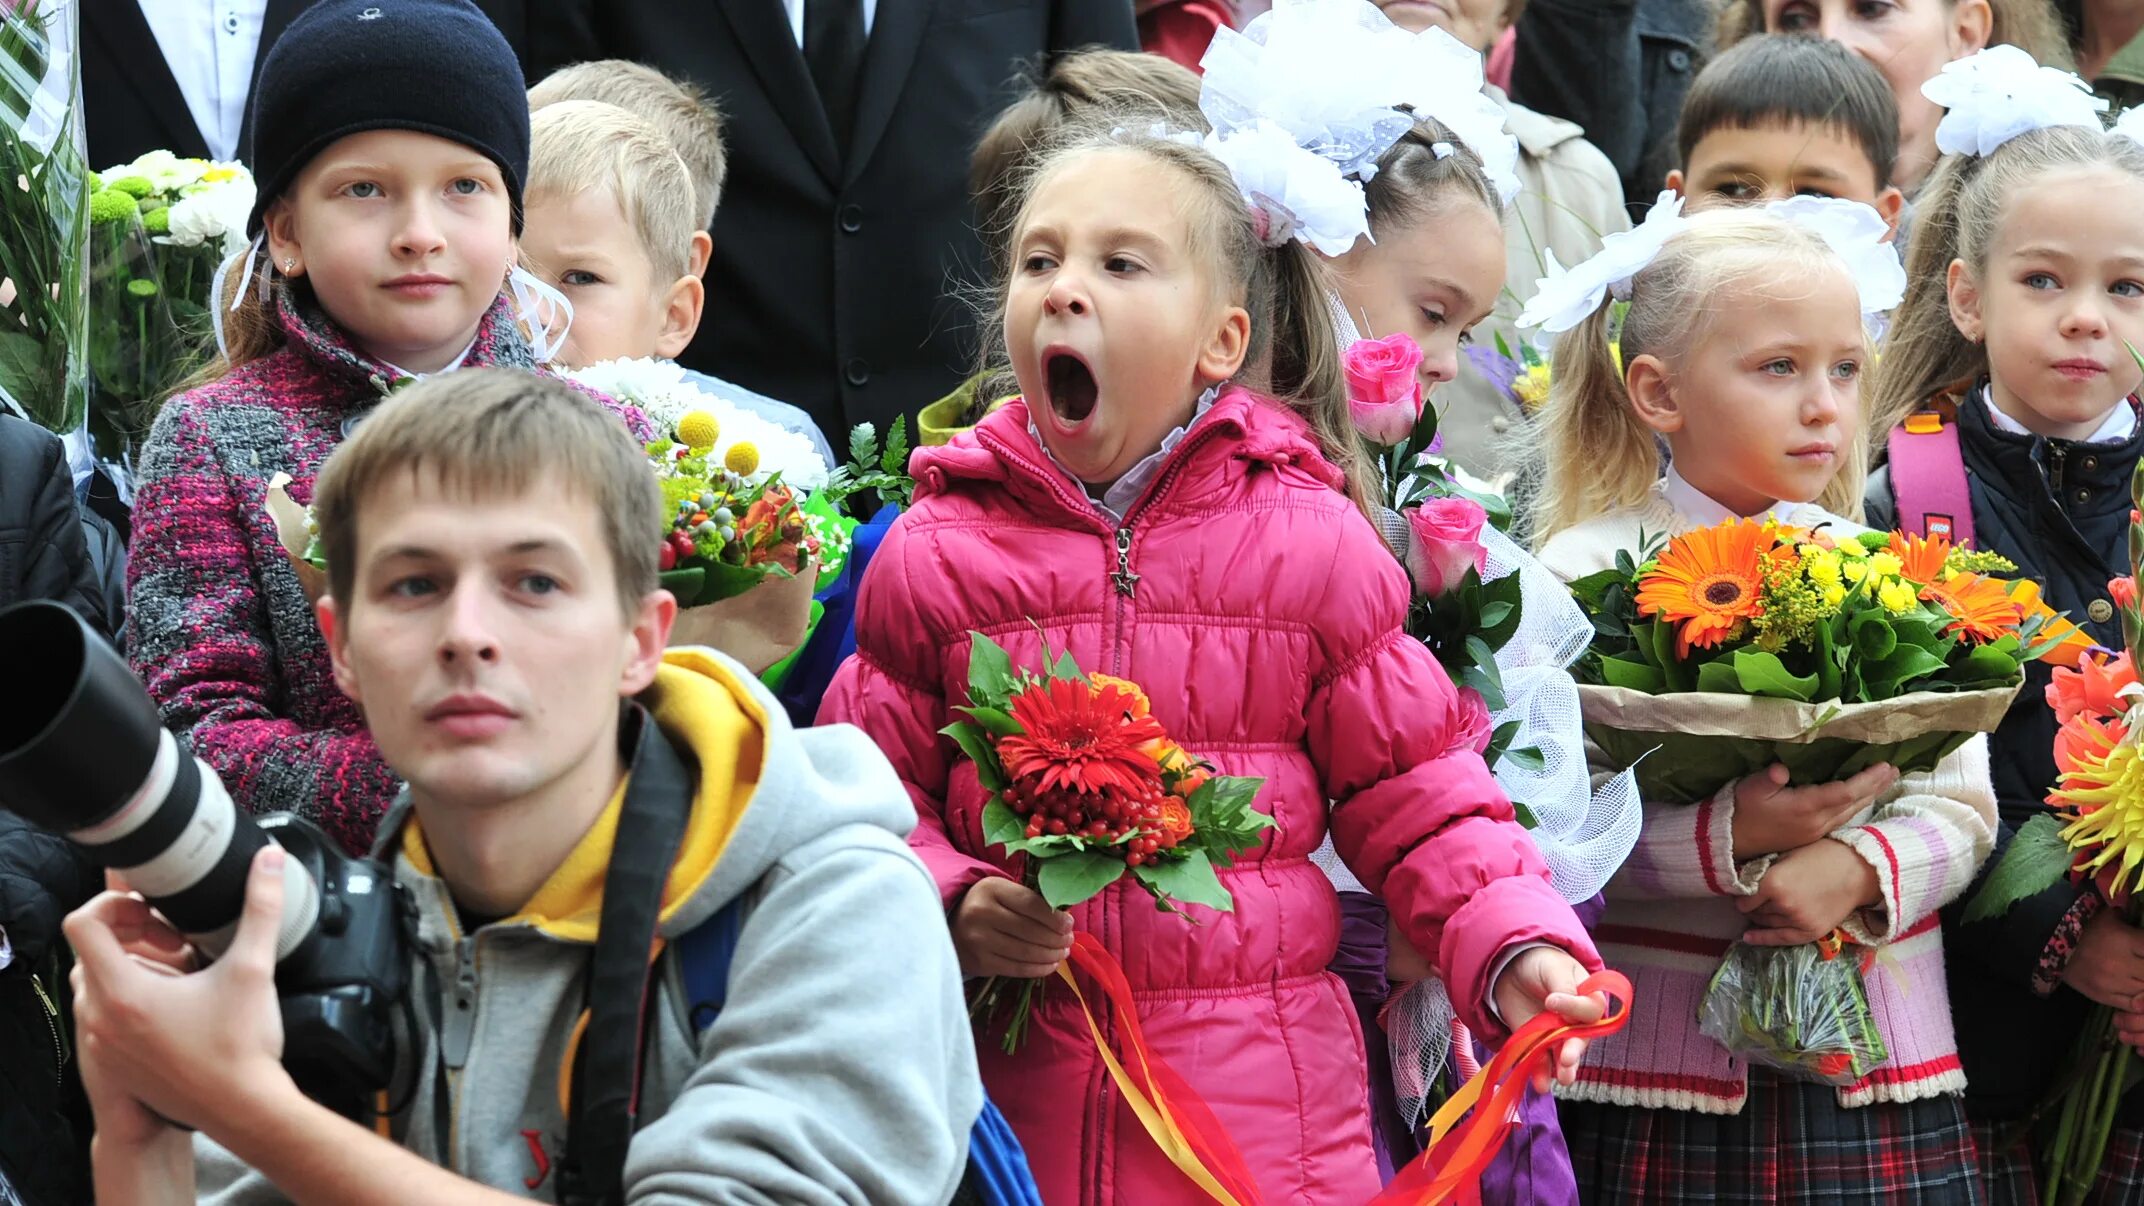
{"x": 2000, "y": 93}
{"x": 1856, "y": 233}
{"x": 1568, "y": 296}
{"x": 1294, "y": 192}
{"x": 1301, "y": 66}
{"x": 1439, "y": 76}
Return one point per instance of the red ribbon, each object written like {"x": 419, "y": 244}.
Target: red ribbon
{"x": 1450, "y": 1171}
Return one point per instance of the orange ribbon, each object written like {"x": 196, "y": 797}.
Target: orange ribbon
{"x": 1460, "y": 1152}
{"x": 1179, "y": 1121}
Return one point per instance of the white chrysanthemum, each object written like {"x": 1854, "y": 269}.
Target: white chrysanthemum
{"x": 216, "y": 212}
{"x": 657, "y": 387}
{"x": 166, "y": 171}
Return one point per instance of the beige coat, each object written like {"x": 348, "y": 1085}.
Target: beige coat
{"x": 1572, "y": 197}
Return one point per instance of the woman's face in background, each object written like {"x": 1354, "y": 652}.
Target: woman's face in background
{"x": 1909, "y": 41}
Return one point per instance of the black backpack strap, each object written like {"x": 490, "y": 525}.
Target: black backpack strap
{"x": 605, "y": 1105}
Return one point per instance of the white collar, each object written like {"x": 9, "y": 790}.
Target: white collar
{"x": 1693, "y": 503}
{"x": 2120, "y": 423}
{"x": 458, "y": 362}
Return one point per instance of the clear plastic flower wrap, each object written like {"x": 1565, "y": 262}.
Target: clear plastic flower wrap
{"x": 1801, "y": 1009}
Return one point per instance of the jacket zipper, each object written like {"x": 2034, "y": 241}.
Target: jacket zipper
{"x": 2060, "y": 458}
{"x": 52, "y": 1024}
{"x": 457, "y": 1036}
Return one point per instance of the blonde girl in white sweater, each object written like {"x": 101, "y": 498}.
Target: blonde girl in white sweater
{"x": 1741, "y": 357}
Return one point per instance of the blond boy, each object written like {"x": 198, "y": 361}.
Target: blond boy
{"x": 616, "y": 220}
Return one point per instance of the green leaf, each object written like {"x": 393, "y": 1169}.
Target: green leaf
{"x": 994, "y": 721}
{"x": 976, "y": 745}
{"x": 991, "y": 680}
{"x": 2036, "y": 859}
{"x": 1873, "y": 637}
{"x": 1986, "y": 664}
{"x": 1494, "y": 612}
{"x": 1191, "y": 879}
{"x": 1525, "y": 816}
{"x": 1632, "y": 676}
{"x": 1001, "y": 824}
{"x": 1592, "y": 589}
{"x": 1076, "y": 875}
{"x": 895, "y": 459}
{"x": 863, "y": 443}
{"x": 1889, "y": 676}
{"x": 1528, "y": 758}
{"x": 1763, "y": 674}
{"x": 1067, "y": 669}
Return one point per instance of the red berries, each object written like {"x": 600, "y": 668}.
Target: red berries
{"x": 1103, "y": 816}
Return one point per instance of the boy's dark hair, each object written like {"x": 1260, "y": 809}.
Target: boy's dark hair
{"x": 1778, "y": 80}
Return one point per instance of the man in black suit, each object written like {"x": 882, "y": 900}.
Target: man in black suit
{"x": 845, "y": 236}
{"x": 135, "y": 99}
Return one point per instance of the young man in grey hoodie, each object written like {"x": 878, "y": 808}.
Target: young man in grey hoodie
{"x": 492, "y": 605}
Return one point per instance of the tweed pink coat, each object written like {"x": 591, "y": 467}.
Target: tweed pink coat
{"x": 1263, "y": 616}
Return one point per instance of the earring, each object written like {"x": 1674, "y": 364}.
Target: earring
{"x": 289, "y": 266}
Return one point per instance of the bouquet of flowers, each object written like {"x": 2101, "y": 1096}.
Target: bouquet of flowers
{"x": 1463, "y": 616}
{"x": 2094, "y": 832}
{"x": 44, "y": 217}
{"x": 752, "y": 531}
{"x": 1744, "y": 644}
{"x": 159, "y": 228}
{"x": 1088, "y": 787}
{"x": 1748, "y": 643}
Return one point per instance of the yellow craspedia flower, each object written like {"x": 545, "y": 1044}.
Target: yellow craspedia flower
{"x": 1823, "y": 568}
{"x": 698, "y": 430}
{"x": 1532, "y": 387}
{"x": 2103, "y": 800}
{"x": 742, "y": 458}
{"x": 1834, "y": 595}
{"x": 1896, "y": 596}
{"x": 1886, "y": 564}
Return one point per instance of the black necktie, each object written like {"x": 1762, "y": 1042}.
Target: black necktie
{"x": 834, "y": 51}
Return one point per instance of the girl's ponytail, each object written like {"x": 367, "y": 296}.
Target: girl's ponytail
{"x": 1923, "y": 353}
{"x": 247, "y": 321}
{"x": 1297, "y": 327}
{"x": 1596, "y": 455}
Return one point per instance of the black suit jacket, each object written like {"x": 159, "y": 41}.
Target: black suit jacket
{"x": 837, "y": 285}
{"x": 131, "y": 103}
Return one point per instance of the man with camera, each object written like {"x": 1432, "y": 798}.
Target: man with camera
{"x": 584, "y": 811}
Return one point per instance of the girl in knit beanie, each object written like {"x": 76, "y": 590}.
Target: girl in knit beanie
{"x": 390, "y": 144}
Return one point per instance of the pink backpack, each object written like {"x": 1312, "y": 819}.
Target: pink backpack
{"x": 1928, "y": 490}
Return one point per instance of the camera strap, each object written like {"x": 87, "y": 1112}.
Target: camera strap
{"x": 605, "y": 1103}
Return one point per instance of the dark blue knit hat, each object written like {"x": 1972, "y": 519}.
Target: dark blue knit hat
{"x": 346, "y": 66}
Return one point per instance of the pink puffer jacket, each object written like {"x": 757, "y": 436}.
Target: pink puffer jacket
{"x": 1263, "y": 617}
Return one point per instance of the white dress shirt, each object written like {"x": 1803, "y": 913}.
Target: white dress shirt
{"x": 2115, "y": 429}
{"x": 1707, "y": 511}
{"x": 209, "y": 46}
{"x": 795, "y": 9}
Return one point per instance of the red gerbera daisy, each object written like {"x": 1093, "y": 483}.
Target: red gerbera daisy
{"x": 1080, "y": 738}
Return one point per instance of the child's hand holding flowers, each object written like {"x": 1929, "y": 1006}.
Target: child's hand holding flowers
{"x": 1808, "y": 893}
{"x": 1002, "y": 927}
{"x": 1773, "y": 818}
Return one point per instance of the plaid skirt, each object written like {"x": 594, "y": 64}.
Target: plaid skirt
{"x": 1792, "y": 1142}
{"x": 2007, "y": 1176}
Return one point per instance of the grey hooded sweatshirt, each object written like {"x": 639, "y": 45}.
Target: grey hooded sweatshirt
{"x": 841, "y": 1069}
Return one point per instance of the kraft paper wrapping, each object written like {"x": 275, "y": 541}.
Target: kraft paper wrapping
{"x": 1686, "y": 745}
{"x": 759, "y": 627}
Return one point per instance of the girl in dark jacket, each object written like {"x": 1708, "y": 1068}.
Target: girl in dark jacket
{"x": 2011, "y": 395}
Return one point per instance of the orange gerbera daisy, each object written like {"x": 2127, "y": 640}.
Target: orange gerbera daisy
{"x": 1709, "y": 581}
{"x": 1922, "y": 556}
{"x": 1979, "y": 607}
{"x": 1079, "y": 738}
{"x": 1131, "y": 690}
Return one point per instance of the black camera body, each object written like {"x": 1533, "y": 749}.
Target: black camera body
{"x": 84, "y": 754}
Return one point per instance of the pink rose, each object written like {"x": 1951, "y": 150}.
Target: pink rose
{"x": 1470, "y": 720}
{"x": 1383, "y": 392}
{"x": 1447, "y": 541}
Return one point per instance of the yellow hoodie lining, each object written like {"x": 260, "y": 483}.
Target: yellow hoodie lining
{"x": 702, "y": 706}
